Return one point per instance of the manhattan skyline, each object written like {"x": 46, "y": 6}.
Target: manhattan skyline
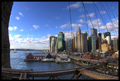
{"x": 31, "y": 23}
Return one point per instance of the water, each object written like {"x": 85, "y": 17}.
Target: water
{"x": 17, "y": 62}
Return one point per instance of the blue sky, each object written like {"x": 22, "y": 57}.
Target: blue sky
{"x": 31, "y": 23}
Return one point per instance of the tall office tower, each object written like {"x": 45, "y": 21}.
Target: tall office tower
{"x": 56, "y": 47}
{"x": 73, "y": 43}
{"x": 53, "y": 43}
{"x": 84, "y": 44}
{"x": 61, "y": 42}
{"x": 6, "y": 7}
{"x": 93, "y": 39}
{"x": 69, "y": 45}
{"x": 94, "y": 32}
{"x": 98, "y": 42}
{"x": 78, "y": 34}
{"x": 93, "y": 43}
{"x": 50, "y": 43}
{"x": 89, "y": 43}
{"x": 115, "y": 44}
{"x": 106, "y": 36}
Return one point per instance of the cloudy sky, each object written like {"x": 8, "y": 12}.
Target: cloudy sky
{"x": 31, "y": 23}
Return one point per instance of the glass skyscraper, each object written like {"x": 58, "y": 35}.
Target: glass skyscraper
{"x": 61, "y": 42}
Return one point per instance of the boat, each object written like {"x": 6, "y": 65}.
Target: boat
{"x": 14, "y": 50}
{"x": 48, "y": 60}
{"x": 62, "y": 58}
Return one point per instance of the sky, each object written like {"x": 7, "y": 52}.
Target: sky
{"x": 31, "y": 23}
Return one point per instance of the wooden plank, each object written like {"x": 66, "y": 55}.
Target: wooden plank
{"x": 97, "y": 75}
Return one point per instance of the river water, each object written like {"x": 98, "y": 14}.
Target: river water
{"x": 17, "y": 62}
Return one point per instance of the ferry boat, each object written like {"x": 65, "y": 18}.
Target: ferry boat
{"x": 34, "y": 57}
{"x": 62, "y": 58}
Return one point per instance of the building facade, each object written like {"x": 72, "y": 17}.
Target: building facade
{"x": 73, "y": 43}
{"x": 68, "y": 45}
{"x": 115, "y": 44}
{"x": 93, "y": 39}
{"x": 61, "y": 42}
{"x": 84, "y": 44}
{"x": 53, "y": 43}
{"x": 89, "y": 43}
{"x": 81, "y": 41}
{"x": 78, "y": 34}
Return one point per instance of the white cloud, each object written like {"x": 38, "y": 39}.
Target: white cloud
{"x": 113, "y": 27}
{"x": 96, "y": 23}
{"x": 81, "y": 21}
{"x": 17, "y": 18}
{"x": 88, "y": 15}
{"x": 17, "y": 36}
{"x": 48, "y": 35}
{"x": 91, "y": 14}
{"x": 21, "y": 30}
{"x": 12, "y": 28}
{"x": 75, "y": 5}
{"x": 20, "y": 14}
{"x": 29, "y": 43}
{"x": 35, "y": 26}
{"x": 102, "y": 12}
{"x": 74, "y": 26}
{"x": 82, "y": 16}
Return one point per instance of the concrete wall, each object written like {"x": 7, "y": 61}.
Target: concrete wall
{"x": 5, "y": 14}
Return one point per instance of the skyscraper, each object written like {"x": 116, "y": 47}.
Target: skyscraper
{"x": 93, "y": 39}
{"x": 84, "y": 47}
{"x": 81, "y": 41}
{"x": 61, "y": 42}
{"x": 78, "y": 34}
{"x": 106, "y": 36}
{"x": 56, "y": 47}
{"x": 52, "y": 43}
{"x": 73, "y": 43}
{"x": 89, "y": 43}
{"x": 115, "y": 44}
{"x": 69, "y": 45}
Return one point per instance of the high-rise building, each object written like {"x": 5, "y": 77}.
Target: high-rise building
{"x": 81, "y": 41}
{"x": 89, "y": 43}
{"x": 61, "y": 42}
{"x": 93, "y": 39}
{"x": 94, "y": 32}
{"x": 73, "y": 42}
{"x": 93, "y": 43}
{"x": 68, "y": 45}
{"x": 106, "y": 36}
{"x": 56, "y": 47}
{"x": 52, "y": 43}
{"x": 98, "y": 42}
{"x": 78, "y": 34}
{"x": 115, "y": 44}
{"x": 84, "y": 47}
